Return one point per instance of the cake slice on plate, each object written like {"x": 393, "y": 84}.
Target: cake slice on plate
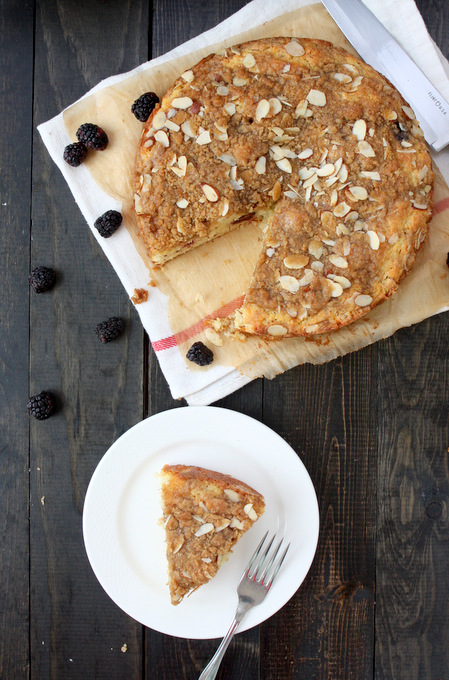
{"x": 205, "y": 514}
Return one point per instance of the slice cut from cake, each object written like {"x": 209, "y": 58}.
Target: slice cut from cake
{"x": 205, "y": 514}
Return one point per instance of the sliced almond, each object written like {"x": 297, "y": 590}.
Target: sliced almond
{"x": 306, "y": 153}
{"x": 341, "y": 209}
{"x": 342, "y": 280}
{"x": 229, "y": 107}
{"x": 366, "y": 149}
{"x": 275, "y": 105}
{"x": 222, "y": 90}
{"x": 276, "y": 330}
{"x": 248, "y": 60}
{"x": 210, "y": 192}
{"x": 261, "y": 165}
{"x": 237, "y": 524}
{"x": 182, "y": 203}
{"x": 284, "y": 165}
{"x": 373, "y": 175}
{"x": 409, "y": 112}
{"x": 213, "y": 337}
{"x": 316, "y": 249}
{"x": 359, "y": 129}
{"x": 289, "y": 283}
{"x": 232, "y": 495}
{"x": 338, "y": 261}
{"x": 342, "y": 77}
{"x": 225, "y": 208}
{"x": 203, "y": 138}
{"x": 296, "y": 261}
{"x": 170, "y": 125}
{"x": 316, "y": 98}
{"x": 363, "y": 300}
{"x": 224, "y": 523}
{"x": 294, "y": 48}
{"x": 249, "y": 510}
{"x": 336, "y": 288}
{"x": 239, "y": 82}
{"x": 262, "y": 109}
{"x": 359, "y": 193}
{"x": 227, "y": 158}
{"x": 204, "y": 529}
{"x": 162, "y": 137}
{"x": 373, "y": 240}
{"x": 276, "y": 191}
{"x": 326, "y": 170}
{"x": 187, "y": 76}
{"x": 182, "y": 102}
{"x": 307, "y": 278}
{"x": 390, "y": 115}
{"x": 159, "y": 120}
{"x": 302, "y": 110}
{"x": 187, "y": 129}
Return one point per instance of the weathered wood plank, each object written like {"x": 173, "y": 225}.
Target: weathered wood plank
{"x": 327, "y": 413}
{"x": 412, "y": 621}
{"x": 16, "y": 85}
{"x": 76, "y": 630}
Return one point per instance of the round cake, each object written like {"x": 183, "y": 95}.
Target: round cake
{"x": 316, "y": 146}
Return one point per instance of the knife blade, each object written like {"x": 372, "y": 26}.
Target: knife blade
{"x": 378, "y": 48}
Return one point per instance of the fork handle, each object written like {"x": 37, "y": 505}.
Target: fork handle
{"x": 212, "y": 667}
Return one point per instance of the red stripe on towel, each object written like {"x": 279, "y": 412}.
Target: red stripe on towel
{"x": 182, "y": 336}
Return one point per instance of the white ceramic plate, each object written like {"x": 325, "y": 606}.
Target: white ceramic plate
{"x": 125, "y": 543}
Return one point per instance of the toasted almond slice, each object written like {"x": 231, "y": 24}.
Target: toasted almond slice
{"x": 239, "y": 82}
{"x": 419, "y": 206}
{"x": 210, "y": 193}
{"x": 373, "y": 175}
{"x": 249, "y": 510}
{"x": 341, "y": 209}
{"x": 306, "y": 153}
{"x": 359, "y": 193}
{"x": 390, "y": 115}
{"x": 284, "y": 165}
{"x": 296, "y": 261}
{"x": 305, "y": 173}
{"x": 225, "y": 208}
{"x": 294, "y": 48}
{"x": 276, "y": 330}
{"x": 261, "y": 165}
{"x": 342, "y": 174}
{"x": 373, "y": 240}
{"x": 286, "y": 68}
{"x": 237, "y": 524}
{"x": 289, "y": 283}
{"x": 315, "y": 249}
{"x": 249, "y": 60}
{"x": 227, "y": 158}
{"x": 187, "y": 129}
{"x": 172, "y": 126}
{"x": 342, "y": 280}
{"x": 182, "y": 102}
{"x": 205, "y": 529}
{"x": 232, "y": 495}
{"x": 159, "y": 120}
{"x": 262, "y": 109}
{"x": 275, "y": 105}
{"x": 336, "y": 288}
{"x": 203, "y": 138}
{"x": 222, "y": 90}
{"x": 409, "y": 112}
{"x": 326, "y": 170}
{"x": 363, "y": 300}
{"x": 338, "y": 261}
{"x": 316, "y": 98}
{"x": 182, "y": 203}
{"x": 307, "y": 278}
{"x": 359, "y": 129}
{"x": 229, "y": 107}
{"x": 308, "y": 183}
{"x": 162, "y": 137}
{"x": 187, "y": 76}
{"x": 342, "y": 77}
{"x": 366, "y": 149}
{"x": 276, "y": 191}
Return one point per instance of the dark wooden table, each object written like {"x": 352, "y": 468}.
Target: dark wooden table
{"x": 371, "y": 428}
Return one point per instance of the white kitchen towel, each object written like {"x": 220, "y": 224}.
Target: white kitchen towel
{"x": 202, "y": 387}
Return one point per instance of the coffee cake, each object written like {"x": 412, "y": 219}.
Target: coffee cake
{"x": 205, "y": 514}
{"x": 313, "y": 144}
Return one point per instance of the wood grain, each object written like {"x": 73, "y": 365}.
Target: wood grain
{"x": 16, "y": 85}
{"x": 76, "y": 630}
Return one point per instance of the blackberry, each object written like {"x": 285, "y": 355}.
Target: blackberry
{"x": 74, "y": 154}
{"x": 108, "y": 223}
{"x": 42, "y": 405}
{"x": 200, "y": 354}
{"x": 143, "y": 106}
{"x": 42, "y": 279}
{"x": 92, "y": 136}
{"x": 110, "y": 329}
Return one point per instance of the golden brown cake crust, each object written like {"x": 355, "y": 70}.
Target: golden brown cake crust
{"x": 205, "y": 514}
{"x": 312, "y": 142}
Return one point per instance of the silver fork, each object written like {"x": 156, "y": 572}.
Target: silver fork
{"x": 254, "y": 585}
